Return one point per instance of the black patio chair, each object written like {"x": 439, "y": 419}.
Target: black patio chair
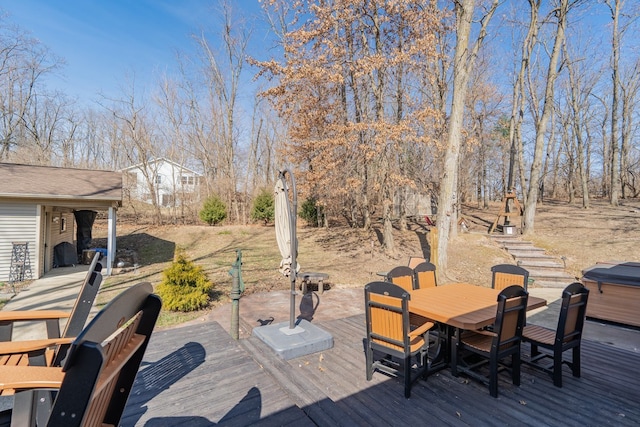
{"x": 424, "y": 276}
{"x": 567, "y": 336}
{"x": 390, "y": 335}
{"x": 493, "y": 346}
{"x": 94, "y": 384}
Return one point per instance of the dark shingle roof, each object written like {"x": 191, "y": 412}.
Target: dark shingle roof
{"x": 45, "y": 182}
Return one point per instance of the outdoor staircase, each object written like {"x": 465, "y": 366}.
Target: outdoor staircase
{"x": 545, "y": 270}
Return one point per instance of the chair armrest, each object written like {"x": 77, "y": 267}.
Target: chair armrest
{"x": 29, "y": 377}
{"x": 423, "y": 329}
{"x": 26, "y": 315}
{"x": 17, "y": 347}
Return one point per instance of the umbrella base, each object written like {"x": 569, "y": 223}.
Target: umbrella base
{"x": 288, "y": 343}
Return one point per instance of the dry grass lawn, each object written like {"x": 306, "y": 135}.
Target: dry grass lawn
{"x": 353, "y": 257}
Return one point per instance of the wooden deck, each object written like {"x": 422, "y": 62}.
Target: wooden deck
{"x": 199, "y": 376}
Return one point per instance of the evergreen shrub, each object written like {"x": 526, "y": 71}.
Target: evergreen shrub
{"x": 185, "y": 287}
{"x": 214, "y": 211}
{"x": 263, "y": 207}
{"x": 309, "y": 211}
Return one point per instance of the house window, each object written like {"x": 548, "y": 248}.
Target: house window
{"x": 185, "y": 179}
{"x": 63, "y": 224}
{"x": 158, "y": 179}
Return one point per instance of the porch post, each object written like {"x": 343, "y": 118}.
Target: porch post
{"x": 111, "y": 239}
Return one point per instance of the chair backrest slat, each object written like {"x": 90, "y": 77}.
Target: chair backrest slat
{"x": 104, "y": 359}
{"x": 425, "y": 275}
{"x": 572, "y": 313}
{"x": 510, "y": 316}
{"x": 401, "y": 276}
{"x": 84, "y": 301}
{"x": 387, "y": 313}
{"x": 505, "y": 275}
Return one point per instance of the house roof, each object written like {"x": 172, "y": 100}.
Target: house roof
{"x": 162, "y": 160}
{"x": 103, "y": 188}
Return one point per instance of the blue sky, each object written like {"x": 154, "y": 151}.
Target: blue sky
{"x": 102, "y": 41}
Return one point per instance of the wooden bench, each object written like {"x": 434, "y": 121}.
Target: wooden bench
{"x": 313, "y": 278}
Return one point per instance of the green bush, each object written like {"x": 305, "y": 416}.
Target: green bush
{"x": 309, "y": 211}
{"x": 185, "y": 286}
{"x": 263, "y": 207}
{"x": 214, "y": 211}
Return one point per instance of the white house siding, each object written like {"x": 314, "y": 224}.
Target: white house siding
{"x": 18, "y": 223}
{"x": 170, "y": 180}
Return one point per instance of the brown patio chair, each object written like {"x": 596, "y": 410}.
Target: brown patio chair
{"x": 505, "y": 275}
{"x": 50, "y": 351}
{"x": 401, "y": 276}
{"x": 94, "y": 384}
{"x": 424, "y": 275}
{"x": 495, "y": 345}
{"x": 390, "y": 335}
{"x": 568, "y": 335}
{"x": 77, "y": 317}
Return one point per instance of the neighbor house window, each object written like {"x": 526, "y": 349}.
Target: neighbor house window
{"x": 186, "y": 180}
{"x": 158, "y": 179}
{"x": 63, "y": 224}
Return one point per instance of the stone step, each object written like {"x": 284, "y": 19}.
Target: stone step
{"x": 531, "y": 249}
{"x": 530, "y": 256}
{"x": 550, "y": 276}
{"x": 541, "y": 264}
{"x": 551, "y": 284}
{"x": 545, "y": 271}
{"x": 513, "y": 243}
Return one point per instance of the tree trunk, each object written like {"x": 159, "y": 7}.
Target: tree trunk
{"x": 615, "y": 102}
{"x": 541, "y": 126}
{"x": 464, "y": 60}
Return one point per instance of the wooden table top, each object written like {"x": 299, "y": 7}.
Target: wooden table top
{"x": 461, "y": 305}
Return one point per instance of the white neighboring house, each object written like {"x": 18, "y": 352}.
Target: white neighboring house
{"x": 172, "y": 182}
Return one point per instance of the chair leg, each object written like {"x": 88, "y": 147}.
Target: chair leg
{"x": 557, "y": 370}
{"x": 407, "y": 377}
{"x": 493, "y": 377}
{"x": 369, "y": 360}
{"x": 515, "y": 369}
{"x": 575, "y": 365}
{"x": 534, "y": 350}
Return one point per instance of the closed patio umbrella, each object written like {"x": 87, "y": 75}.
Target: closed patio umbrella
{"x": 285, "y": 222}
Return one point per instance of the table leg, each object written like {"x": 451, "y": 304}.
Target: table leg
{"x": 453, "y": 352}
{"x": 439, "y": 356}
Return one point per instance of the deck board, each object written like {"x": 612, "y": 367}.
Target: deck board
{"x": 198, "y": 375}
{"x": 606, "y": 394}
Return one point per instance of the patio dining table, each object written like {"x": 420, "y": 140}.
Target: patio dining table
{"x": 459, "y": 306}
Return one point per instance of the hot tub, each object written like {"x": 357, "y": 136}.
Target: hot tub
{"x": 614, "y": 292}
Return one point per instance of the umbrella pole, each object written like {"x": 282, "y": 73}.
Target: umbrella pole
{"x": 294, "y": 247}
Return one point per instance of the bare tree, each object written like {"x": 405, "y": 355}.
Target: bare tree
{"x": 223, "y": 72}
{"x": 464, "y": 60}
{"x": 559, "y": 11}
{"x": 133, "y": 136}
{"x": 24, "y": 63}
{"x": 614, "y": 7}
{"x": 580, "y": 85}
